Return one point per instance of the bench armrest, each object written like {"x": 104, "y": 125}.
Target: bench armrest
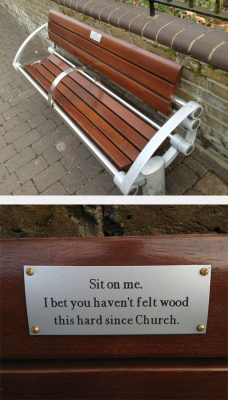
{"x": 126, "y": 181}
{"x": 16, "y": 61}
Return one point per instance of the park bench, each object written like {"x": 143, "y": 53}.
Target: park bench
{"x": 126, "y": 141}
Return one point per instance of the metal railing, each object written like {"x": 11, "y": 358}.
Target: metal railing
{"x": 189, "y": 5}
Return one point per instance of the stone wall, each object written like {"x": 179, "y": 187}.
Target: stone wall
{"x": 119, "y": 220}
{"x": 201, "y": 81}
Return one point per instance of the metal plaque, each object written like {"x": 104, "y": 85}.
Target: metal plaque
{"x": 117, "y": 300}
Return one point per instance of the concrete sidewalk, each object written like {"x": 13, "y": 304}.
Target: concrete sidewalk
{"x": 39, "y": 154}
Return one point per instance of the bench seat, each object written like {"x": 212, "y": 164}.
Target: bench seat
{"x": 122, "y": 137}
{"x": 117, "y": 131}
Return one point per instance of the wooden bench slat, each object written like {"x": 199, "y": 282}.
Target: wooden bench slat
{"x": 154, "y": 63}
{"x": 117, "y": 123}
{"x": 130, "y": 118}
{"x": 132, "y": 71}
{"x": 145, "y": 94}
{"x": 107, "y": 71}
{"x": 111, "y": 151}
{"x": 107, "y": 130}
{"x": 109, "y": 148}
{"x": 127, "y": 148}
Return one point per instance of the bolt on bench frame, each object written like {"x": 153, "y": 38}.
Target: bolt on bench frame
{"x": 146, "y": 171}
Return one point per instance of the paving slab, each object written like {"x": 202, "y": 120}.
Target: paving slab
{"x": 40, "y": 155}
{"x": 211, "y": 184}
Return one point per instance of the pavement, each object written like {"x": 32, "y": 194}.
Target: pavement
{"x": 39, "y": 154}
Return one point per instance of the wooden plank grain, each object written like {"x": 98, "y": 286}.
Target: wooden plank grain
{"x": 115, "y": 379}
{"x": 154, "y": 63}
{"x": 129, "y": 117}
{"x": 115, "y": 155}
{"x": 142, "y": 92}
{"x": 155, "y": 250}
{"x": 134, "y": 72}
{"x": 85, "y": 108}
{"x": 107, "y": 115}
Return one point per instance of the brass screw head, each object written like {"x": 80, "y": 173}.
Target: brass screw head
{"x": 35, "y": 329}
{"x": 204, "y": 271}
{"x": 200, "y": 328}
{"x": 30, "y": 271}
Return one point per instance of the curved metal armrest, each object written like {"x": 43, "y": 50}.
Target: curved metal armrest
{"x": 16, "y": 61}
{"x": 126, "y": 181}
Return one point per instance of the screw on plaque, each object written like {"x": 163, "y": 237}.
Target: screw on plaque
{"x": 30, "y": 271}
{"x": 35, "y": 329}
{"x": 200, "y": 328}
{"x": 204, "y": 271}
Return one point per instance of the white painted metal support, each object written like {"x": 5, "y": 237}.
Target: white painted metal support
{"x": 191, "y": 124}
{"x": 56, "y": 82}
{"x": 154, "y": 172}
{"x": 84, "y": 138}
{"x": 51, "y": 50}
{"x": 127, "y": 182}
{"x": 146, "y": 171}
{"x": 16, "y": 61}
{"x": 181, "y": 144}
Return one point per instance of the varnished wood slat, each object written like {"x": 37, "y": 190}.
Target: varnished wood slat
{"x": 110, "y": 133}
{"x": 146, "y": 95}
{"x": 153, "y": 250}
{"x": 134, "y": 72}
{"x": 116, "y": 379}
{"x": 130, "y": 118}
{"x": 37, "y": 77}
{"x": 154, "y": 63}
{"x": 116, "y": 156}
{"x": 105, "y": 114}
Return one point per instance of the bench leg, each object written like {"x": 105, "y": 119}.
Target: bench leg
{"x": 154, "y": 173}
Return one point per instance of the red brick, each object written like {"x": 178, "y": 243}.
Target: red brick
{"x": 184, "y": 39}
{"x": 151, "y": 29}
{"x": 104, "y": 14}
{"x": 220, "y": 57}
{"x": 202, "y": 48}
{"x": 96, "y": 9}
{"x": 137, "y": 25}
{"x": 116, "y": 15}
{"x": 166, "y": 34}
{"x": 126, "y": 19}
{"x": 80, "y": 5}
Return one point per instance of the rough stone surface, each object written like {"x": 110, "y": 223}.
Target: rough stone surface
{"x": 123, "y": 220}
{"x": 156, "y": 220}
{"x": 210, "y": 184}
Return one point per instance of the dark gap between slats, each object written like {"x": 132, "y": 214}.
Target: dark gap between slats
{"x": 118, "y": 56}
{"x": 122, "y": 142}
{"x": 132, "y": 118}
{"x": 176, "y": 73}
{"x": 127, "y": 127}
{"x": 121, "y": 161}
{"x": 159, "y": 102}
{"x": 160, "y": 81}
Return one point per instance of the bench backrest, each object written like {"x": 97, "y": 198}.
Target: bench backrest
{"x": 148, "y": 76}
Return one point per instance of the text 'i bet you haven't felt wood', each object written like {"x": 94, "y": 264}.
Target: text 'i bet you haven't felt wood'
{"x": 199, "y": 251}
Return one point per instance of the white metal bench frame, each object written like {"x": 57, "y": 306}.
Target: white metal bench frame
{"x": 145, "y": 169}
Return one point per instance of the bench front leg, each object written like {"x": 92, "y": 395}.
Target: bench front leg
{"x": 127, "y": 181}
{"x": 16, "y": 61}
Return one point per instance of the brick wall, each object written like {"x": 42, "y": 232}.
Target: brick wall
{"x": 201, "y": 81}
